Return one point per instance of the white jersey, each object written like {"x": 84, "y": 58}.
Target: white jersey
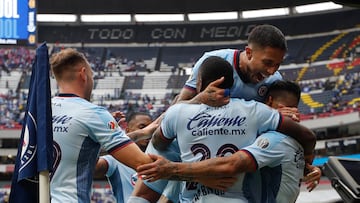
{"x": 205, "y": 132}
{"x": 247, "y": 91}
{"x": 121, "y": 177}
{"x": 80, "y": 128}
{"x": 280, "y": 159}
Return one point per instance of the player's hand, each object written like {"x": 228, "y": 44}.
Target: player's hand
{"x": 215, "y": 96}
{"x": 159, "y": 169}
{"x": 220, "y": 183}
{"x": 120, "y": 117}
{"x": 312, "y": 178}
{"x": 290, "y": 112}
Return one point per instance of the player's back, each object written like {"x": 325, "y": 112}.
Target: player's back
{"x": 281, "y": 162}
{"x": 290, "y": 166}
{"x": 73, "y": 148}
{"x": 79, "y": 129}
{"x": 205, "y": 132}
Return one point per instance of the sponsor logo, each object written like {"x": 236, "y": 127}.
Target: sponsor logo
{"x": 205, "y": 120}
{"x": 61, "y": 123}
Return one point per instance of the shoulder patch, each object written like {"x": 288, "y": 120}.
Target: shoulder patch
{"x": 263, "y": 143}
{"x": 262, "y": 90}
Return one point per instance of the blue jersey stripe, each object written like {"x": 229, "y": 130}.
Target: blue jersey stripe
{"x": 86, "y": 162}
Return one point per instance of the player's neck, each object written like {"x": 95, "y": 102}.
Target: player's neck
{"x": 241, "y": 70}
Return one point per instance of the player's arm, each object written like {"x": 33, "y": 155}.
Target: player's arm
{"x": 144, "y": 133}
{"x": 303, "y": 135}
{"x": 131, "y": 155}
{"x": 228, "y": 166}
{"x": 212, "y": 95}
{"x": 101, "y": 167}
{"x": 159, "y": 141}
{"x": 185, "y": 95}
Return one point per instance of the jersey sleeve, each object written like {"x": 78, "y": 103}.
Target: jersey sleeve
{"x": 268, "y": 118}
{"x": 268, "y": 149}
{"x": 105, "y": 130}
{"x": 112, "y": 162}
{"x": 191, "y": 82}
{"x": 169, "y": 122}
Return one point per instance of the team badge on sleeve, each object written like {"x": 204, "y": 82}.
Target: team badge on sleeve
{"x": 263, "y": 143}
{"x": 262, "y": 90}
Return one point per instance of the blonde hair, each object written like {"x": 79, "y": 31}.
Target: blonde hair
{"x": 64, "y": 63}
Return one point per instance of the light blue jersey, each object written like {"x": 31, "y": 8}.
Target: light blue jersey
{"x": 205, "y": 132}
{"x": 247, "y": 91}
{"x": 281, "y": 161}
{"x": 80, "y": 128}
{"x": 170, "y": 189}
{"x": 121, "y": 177}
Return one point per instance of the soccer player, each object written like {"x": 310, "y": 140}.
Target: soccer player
{"x": 81, "y": 128}
{"x": 121, "y": 177}
{"x": 205, "y": 132}
{"x": 280, "y": 158}
{"x": 255, "y": 68}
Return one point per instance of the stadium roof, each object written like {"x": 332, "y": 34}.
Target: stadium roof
{"x": 167, "y": 6}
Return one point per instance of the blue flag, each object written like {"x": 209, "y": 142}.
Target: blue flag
{"x": 35, "y": 151}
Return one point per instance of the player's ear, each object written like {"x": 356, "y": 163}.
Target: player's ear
{"x": 248, "y": 52}
{"x": 198, "y": 84}
{"x": 82, "y": 72}
{"x": 269, "y": 101}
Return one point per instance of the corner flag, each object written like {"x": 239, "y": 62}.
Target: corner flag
{"x": 35, "y": 152}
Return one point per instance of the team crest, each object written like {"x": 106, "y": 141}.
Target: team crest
{"x": 263, "y": 143}
{"x": 262, "y": 90}
{"x": 28, "y": 151}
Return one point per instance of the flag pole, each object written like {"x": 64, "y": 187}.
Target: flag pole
{"x": 44, "y": 187}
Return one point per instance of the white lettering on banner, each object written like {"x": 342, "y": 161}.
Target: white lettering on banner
{"x": 8, "y": 28}
{"x": 31, "y": 27}
{"x": 8, "y": 9}
{"x": 168, "y": 33}
{"x": 225, "y": 31}
{"x": 8, "y": 41}
{"x": 221, "y": 32}
{"x": 111, "y": 33}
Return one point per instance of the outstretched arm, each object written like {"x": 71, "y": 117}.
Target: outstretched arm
{"x": 228, "y": 166}
{"x": 144, "y": 133}
{"x": 131, "y": 155}
{"x": 303, "y": 135}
